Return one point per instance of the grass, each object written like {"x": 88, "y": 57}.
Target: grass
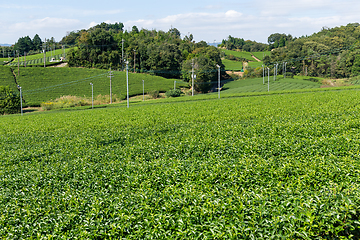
{"x": 232, "y": 65}
{"x": 261, "y": 55}
{"x": 238, "y": 54}
{"x": 264, "y": 167}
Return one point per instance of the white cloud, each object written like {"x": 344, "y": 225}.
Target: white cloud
{"x": 45, "y": 23}
{"x": 219, "y": 25}
{"x": 45, "y": 27}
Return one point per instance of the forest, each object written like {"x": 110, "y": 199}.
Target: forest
{"x": 146, "y": 51}
{"x": 331, "y": 52}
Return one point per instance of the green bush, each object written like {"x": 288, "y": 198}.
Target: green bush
{"x": 9, "y": 101}
{"x": 173, "y": 93}
{"x": 154, "y": 94}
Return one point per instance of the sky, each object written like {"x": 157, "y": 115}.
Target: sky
{"x": 210, "y": 21}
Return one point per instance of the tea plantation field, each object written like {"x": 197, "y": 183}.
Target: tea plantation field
{"x": 256, "y": 84}
{"x": 43, "y": 84}
{"x": 269, "y": 167}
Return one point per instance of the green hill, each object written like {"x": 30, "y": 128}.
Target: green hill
{"x": 43, "y": 84}
{"x": 37, "y": 59}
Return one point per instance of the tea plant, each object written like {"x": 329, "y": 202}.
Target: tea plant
{"x": 267, "y": 167}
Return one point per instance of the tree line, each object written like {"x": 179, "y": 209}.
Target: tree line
{"x": 157, "y": 52}
{"x": 331, "y": 52}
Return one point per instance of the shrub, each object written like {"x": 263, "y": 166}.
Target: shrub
{"x": 173, "y": 93}
{"x": 9, "y": 101}
{"x": 154, "y": 94}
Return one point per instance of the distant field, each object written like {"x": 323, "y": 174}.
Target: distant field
{"x": 245, "y": 55}
{"x": 261, "y": 55}
{"x": 43, "y": 84}
{"x": 39, "y": 58}
{"x": 232, "y": 65}
{"x": 255, "y": 64}
{"x": 256, "y": 85}
{"x": 4, "y": 61}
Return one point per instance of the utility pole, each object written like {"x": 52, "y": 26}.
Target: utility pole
{"x": 134, "y": 59}
{"x": 175, "y": 85}
{"x": 285, "y": 69}
{"x": 20, "y": 100}
{"x": 218, "y": 80}
{"x": 18, "y": 63}
{"x": 268, "y": 79}
{"x": 263, "y": 74}
{"x": 122, "y": 54}
{"x": 274, "y": 72}
{"x": 127, "y": 83}
{"x": 92, "y": 96}
{"x": 192, "y": 77}
{"x": 143, "y": 90}
{"x": 110, "y": 75}
{"x": 44, "y": 50}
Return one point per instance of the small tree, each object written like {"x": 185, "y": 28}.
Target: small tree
{"x": 9, "y": 101}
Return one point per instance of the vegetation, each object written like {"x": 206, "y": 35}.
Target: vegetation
{"x": 281, "y": 166}
{"x": 239, "y": 43}
{"x": 43, "y": 84}
{"x": 281, "y": 84}
{"x": 328, "y": 53}
{"x": 7, "y": 77}
{"x": 161, "y": 53}
{"x": 9, "y": 101}
{"x": 232, "y": 65}
{"x": 173, "y": 93}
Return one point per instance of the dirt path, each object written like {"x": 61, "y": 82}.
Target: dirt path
{"x": 60, "y": 65}
{"x": 256, "y": 58}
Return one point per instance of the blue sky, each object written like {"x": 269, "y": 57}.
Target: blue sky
{"x": 209, "y": 20}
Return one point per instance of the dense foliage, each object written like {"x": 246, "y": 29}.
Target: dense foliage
{"x": 9, "y": 100}
{"x": 271, "y": 167}
{"x": 233, "y": 43}
{"x": 158, "y": 52}
{"x": 328, "y": 53}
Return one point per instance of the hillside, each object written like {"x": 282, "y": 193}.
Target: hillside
{"x": 329, "y": 53}
{"x": 281, "y": 166}
{"x": 43, "y": 84}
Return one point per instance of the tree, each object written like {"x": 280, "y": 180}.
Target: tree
{"x": 9, "y": 101}
{"x": 135, "y": 29}
{"x": 37, "y": 43}
{"x": 205, "y": 71}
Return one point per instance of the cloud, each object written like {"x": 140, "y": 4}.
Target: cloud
{"x": 99, "y": 12}
{"x": 45, "y": 23}
{"x": 45, "y": 27}
{"x": 250, "y": 25}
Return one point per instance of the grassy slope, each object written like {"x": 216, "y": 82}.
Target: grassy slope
{"x": 7, "y": 77}
{"x": 232, "y": 65}
{"x": 272, "y": 166}
{"x": 43, "y": 84}
{"x": 245, "y": 55}
{"x": 261, "y": 55}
